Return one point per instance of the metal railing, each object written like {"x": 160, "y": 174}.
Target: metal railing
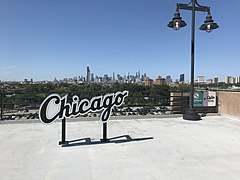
{"x": 16, "y": 105}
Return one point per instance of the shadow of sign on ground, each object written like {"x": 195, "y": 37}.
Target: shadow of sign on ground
{"x": 117, "y": 139}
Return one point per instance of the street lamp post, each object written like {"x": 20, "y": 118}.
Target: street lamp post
{"x": 208, "y": 26}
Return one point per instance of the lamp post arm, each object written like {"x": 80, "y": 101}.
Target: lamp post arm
{"x": 203, "y": 8}
{"x": 197, "y": 8}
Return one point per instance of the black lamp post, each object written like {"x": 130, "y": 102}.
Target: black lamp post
{"x": 208, "y": 26}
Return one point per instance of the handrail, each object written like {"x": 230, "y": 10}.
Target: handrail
{"x": 15, "y": 104}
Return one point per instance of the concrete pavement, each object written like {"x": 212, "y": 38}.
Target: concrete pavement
{"x": 149, "y": 148}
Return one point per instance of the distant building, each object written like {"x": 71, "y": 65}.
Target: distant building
{"x": 215, "y": 80}
{"x": 139, "y": 75}
{"x": 229, "y": 80}
{"x": 209, "y": 81}
{"x": 144, "y": 77}
{"x": 168, "y": 79}
{"x": 113, "y": 76}
{"x": 88, "y": 74}
{"x": 238, "y": 79}
{"x": 55, "y": 81}
{"x": 200, "y": 79}
{"x": 181, "y": 78}
{"x": 148, "y": 82}
{"x": 26, "y": 81}
{"x": 105, "y": 78}
{"x": 160, "y": 81}
{"x": 92, "y": 77}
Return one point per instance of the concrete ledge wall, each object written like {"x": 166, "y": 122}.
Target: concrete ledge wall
{"x": 229, "y": 103}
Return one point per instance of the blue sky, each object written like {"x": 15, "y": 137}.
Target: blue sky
{"x": 44, "y": 39}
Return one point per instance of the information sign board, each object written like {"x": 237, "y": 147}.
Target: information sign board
{"x": 198, "y": 99}
{"x": 209, "y": 99}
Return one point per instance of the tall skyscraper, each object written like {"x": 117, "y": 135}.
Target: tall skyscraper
{"x": 92, "y": 77}
{"x": 168, "y": 79}
{"x": 88, "y": 74}
{"x": 181, "y": 78}
{"x": 113, "y": 76}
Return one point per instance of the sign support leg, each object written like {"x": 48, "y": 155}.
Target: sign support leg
{"x": 104, "y": 139}
{"x": 63, "y": 133}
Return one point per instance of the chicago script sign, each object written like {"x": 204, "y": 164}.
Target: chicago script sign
{"x": 56, "y": 107}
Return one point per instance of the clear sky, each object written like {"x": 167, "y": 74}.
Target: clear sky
{"x": 44, "y": 39}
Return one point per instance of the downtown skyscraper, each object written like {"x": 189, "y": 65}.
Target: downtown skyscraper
{"x": 88, "y": 77}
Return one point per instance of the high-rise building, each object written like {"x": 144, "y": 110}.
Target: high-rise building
{"x": 168, "y": 79}
{"x": 144, "y": 77}
{"x": 92, "y": 77}
{"x": 215, "y": 80}
{"x": 200, "y": 79}
{"x": 229, "y": 80}
{"x": 181, "y": 78}
{"x": 238, "y": 79}
{"x": 105, "y": 78}
{"x": 88, "y": 74}
{"x": 232, "y": 80}
{"x": 113, "y": 76}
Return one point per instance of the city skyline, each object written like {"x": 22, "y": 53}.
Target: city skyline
{"x": 47, "y": 39}
{"x": 137, "y": 77}
{"x": 174, "y": 78}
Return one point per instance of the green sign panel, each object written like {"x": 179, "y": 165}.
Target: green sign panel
{"x": 198, "y": 99}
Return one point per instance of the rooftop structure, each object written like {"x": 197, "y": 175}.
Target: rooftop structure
{"x": 149, "y": 148}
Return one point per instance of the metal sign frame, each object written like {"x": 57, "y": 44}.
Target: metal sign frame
{"x": 56, "y": 107}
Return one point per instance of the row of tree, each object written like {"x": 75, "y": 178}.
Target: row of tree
{"x": 31, "y": 95}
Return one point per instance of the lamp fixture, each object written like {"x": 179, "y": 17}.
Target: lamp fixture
{"x": 177, "y": 22}
{"x": 209, "y": 24}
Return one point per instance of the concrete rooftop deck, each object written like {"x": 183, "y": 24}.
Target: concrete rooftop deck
{"x": 150, "y": 148}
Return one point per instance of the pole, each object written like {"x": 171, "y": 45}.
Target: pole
{"x": 63, "y": 133}
{"x": 192, "y": 56}
{"x": 104, "y": 139}
{"x": 191, "y": 113}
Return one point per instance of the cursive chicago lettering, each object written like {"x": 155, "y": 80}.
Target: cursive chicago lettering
{"x": 56, "y": 107}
